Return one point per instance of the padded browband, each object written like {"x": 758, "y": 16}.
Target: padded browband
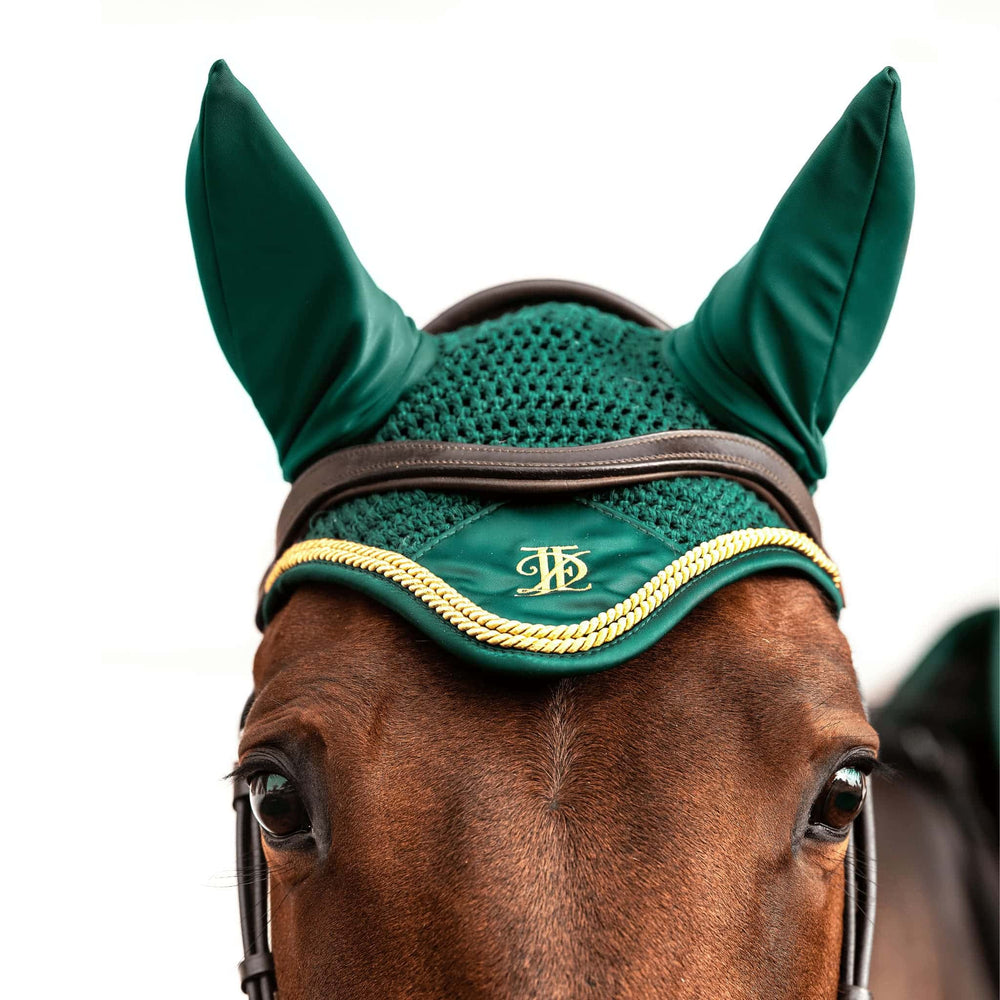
{"x": 499, "y": 300}
{"x": 443, "y": 465}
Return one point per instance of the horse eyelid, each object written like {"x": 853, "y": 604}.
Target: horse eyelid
{"x": 254, "y": 765}
{"x": 862, "y": 760}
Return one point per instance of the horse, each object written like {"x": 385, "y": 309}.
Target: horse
{"x": 551, "y": 699}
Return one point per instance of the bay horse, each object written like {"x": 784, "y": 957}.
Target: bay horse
{"x": 443, "y": 785}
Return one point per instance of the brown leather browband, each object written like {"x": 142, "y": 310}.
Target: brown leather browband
{"x": 499, "y": 300}
{"x": 443, "y": 465}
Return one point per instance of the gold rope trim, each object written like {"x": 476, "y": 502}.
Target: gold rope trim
{"x": 512, "y": 634}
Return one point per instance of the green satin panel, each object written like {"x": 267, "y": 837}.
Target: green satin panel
{"x": 481, "y": 561}
{"x": 785, "y": 334}
{"x": 493, "y": 559}
{"x": 323, "y": 352}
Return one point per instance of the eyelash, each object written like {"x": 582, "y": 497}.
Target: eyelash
{"x": 254, "y": 766}
{"x": 861, "y": 760}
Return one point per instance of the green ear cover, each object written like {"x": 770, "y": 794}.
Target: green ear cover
{"x": 785, "y": 334}
{"x": 323, "y": 352}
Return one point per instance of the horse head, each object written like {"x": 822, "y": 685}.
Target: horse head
{"x": 458, "y": 796}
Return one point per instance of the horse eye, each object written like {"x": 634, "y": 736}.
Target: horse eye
{"x": 276, "y": 804}
{"x": 841, "y": 799}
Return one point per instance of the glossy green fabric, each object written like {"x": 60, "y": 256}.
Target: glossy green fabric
{"x": 323, "y": 352}
{"x": 785, "y": 334}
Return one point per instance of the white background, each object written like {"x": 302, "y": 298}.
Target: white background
{"x": 637, "y": 147}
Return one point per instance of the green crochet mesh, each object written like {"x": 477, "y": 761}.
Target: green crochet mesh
{"x": 688, "y": 512}
{"x": 405, "y": 522}
{"x": 545, "y": 376}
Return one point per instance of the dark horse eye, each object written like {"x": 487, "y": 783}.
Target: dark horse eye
{"x": 277, "y": 805}
{"x": 841, "y": 799}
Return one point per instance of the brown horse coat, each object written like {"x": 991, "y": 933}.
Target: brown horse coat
{"x": 632, "y": 833}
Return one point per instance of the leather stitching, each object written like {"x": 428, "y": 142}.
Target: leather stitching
{"x": 337, "y": 473}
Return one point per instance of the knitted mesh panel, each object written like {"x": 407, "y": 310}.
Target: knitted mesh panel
{"x": 404, "y": 522}
{"x": 543, "y": 377}
{"x": 546, "y": 376}
{"x": 687, "y": 512}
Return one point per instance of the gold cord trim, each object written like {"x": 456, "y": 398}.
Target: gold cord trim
{"x": 509, "y": 633}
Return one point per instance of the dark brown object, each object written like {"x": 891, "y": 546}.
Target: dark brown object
{"x": 502, "y": 299}
{"x": 392, "y": 465}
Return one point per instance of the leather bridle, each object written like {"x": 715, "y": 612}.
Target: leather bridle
{"x": 443, "y": 465}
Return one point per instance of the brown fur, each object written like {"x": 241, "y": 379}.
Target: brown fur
{"x": 633, "y": 833}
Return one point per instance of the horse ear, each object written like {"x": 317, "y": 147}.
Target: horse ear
{"x": 322, "y": 351}
{"x": 785, "y": 334}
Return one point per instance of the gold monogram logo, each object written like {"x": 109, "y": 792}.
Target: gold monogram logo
{"x": 557, "y": 566}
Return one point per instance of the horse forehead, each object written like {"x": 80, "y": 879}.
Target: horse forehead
{"x": 769, "y": 641}
{"x": 776, "y": 624}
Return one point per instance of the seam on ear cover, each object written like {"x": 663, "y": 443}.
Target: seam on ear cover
{"x": 849, "y": 284}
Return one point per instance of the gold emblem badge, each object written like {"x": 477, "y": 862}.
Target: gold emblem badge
{"x": 557, "y": 566}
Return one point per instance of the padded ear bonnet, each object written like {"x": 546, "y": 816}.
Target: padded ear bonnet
{"x": 574, "y": 582}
